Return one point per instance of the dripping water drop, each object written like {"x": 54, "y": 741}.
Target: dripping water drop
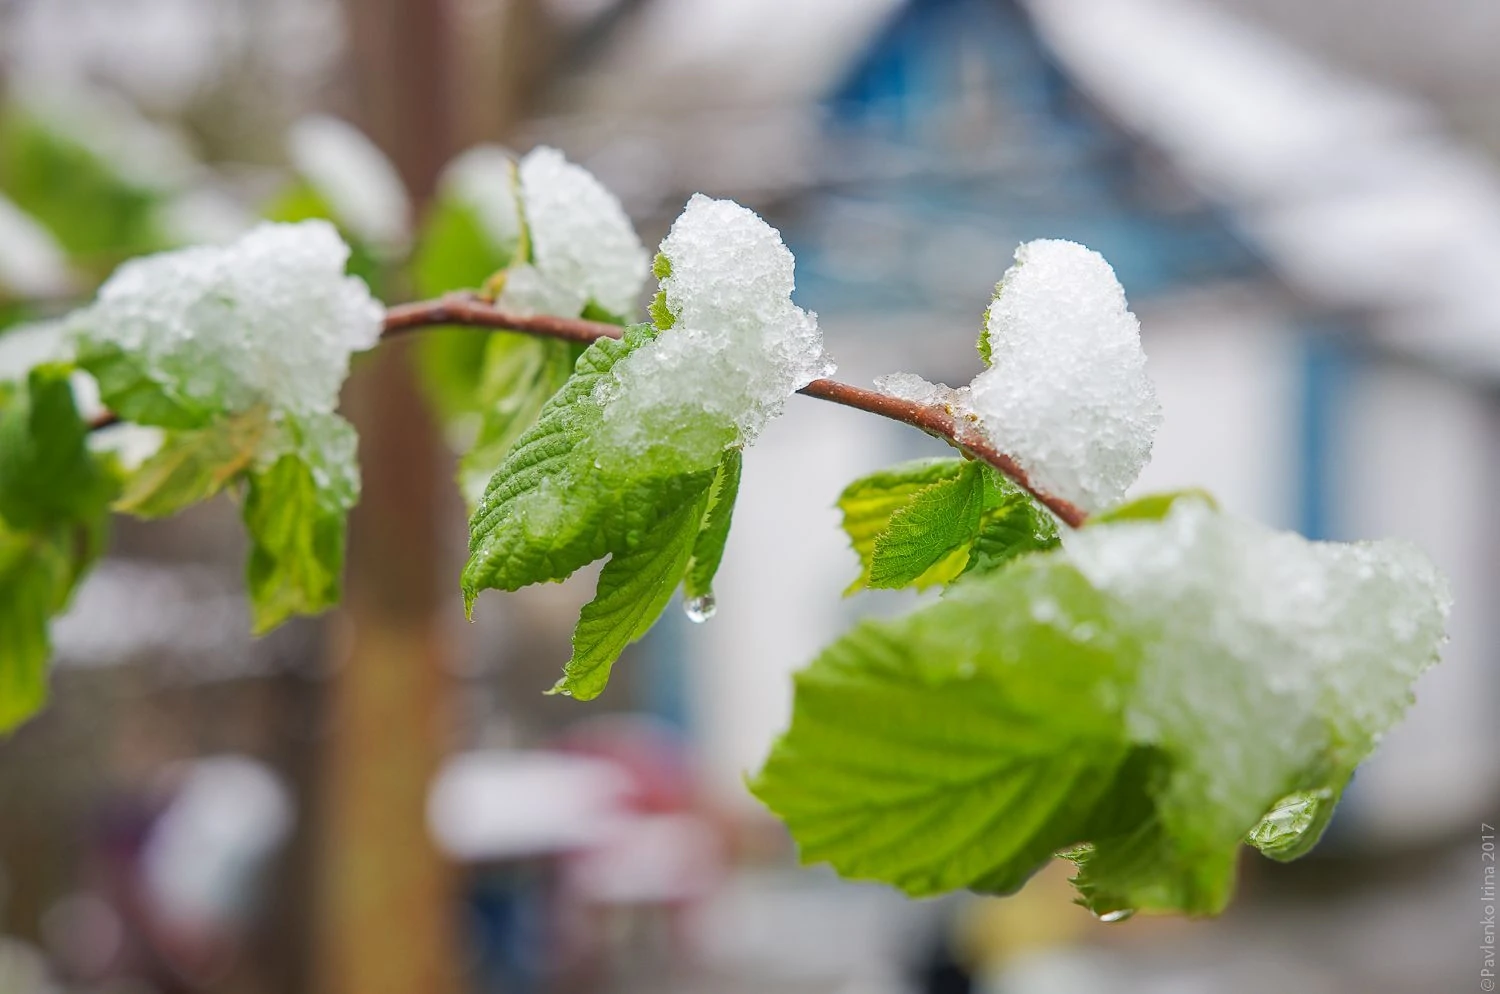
{"x": 1117, "y": 916}
{"x": 699, "y": 609}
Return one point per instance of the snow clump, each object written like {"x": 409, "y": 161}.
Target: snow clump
{"x": 733, "y": 350}
{"x": 1067, "y": 394}
{"x": 268, "y": 319}
{"x": 583, "y": 246}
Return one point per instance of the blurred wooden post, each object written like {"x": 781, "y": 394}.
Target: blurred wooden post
{"x": 387, "y": 904}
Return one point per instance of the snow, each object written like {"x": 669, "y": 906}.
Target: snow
{"x": 580, "y": 237}
{"x": 530, "y": 291}
{"x": 484, "y": 178}
{"x": 1253, "y": 635}
{"x": 737, "y": 349}
{"x": 355, "y": 179}
{"x": 1067, "y": 395}
{"x": 130, "y": 444}
{"x": 270, "y": 318}
{"x": 910, "y": 386}
{"x": 583, "y": 247}
{"x": 32, "y": 264}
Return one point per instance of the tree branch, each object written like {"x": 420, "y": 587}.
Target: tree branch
{"x": 936, "y": 420}
{"x": 469, "y": 310}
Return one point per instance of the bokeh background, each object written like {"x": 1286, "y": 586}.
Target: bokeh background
{"x": 1302, "y": 200}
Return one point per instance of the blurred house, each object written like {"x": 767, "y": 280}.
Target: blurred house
{"x": 1311, "y": 255}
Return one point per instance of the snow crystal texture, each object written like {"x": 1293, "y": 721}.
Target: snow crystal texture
{"x": 910, "y": 386}
{"x": 582, "y": 243}
{"x": 1067, "y": 395}
{"x": 270, "y": 318}
{"x": 1251, "y": 635}
{"x": 736, "y": 350}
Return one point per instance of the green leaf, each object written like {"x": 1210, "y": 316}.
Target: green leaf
{"x": 295, "y": 512}
{"x": 518, "y": 375}
{"x": 454, "y": 252}
{"x": 869, "y": 503}
{"x": 38, "y": 573}
{"x": 1141, "y": 702}
{"x": 127, "y": 389}
{"x": 97, "y": 214}
{"x": 661, "y": 315}
{"x": 936, "y": 522}
{"x": 634, "y": 588}
{"x": 47, "y": 474}
{"x": 548, "y": 509}
{"x": 713, "y": 529}
{"x": 555, "y": 505}
{"x": 1152, "y": 507}
{"x": 503, "y": 378}
{"x": 1133, "y": 862}
{"x": 30, "y": 574}
{"x": 594, "y": 312}
{"x": 192, "y": 466}
{"x": 959, "y": 746}
{"x": 1013, "y": 525}
{"x": 927, "y": 522}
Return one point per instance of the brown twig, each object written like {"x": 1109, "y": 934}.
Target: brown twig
{"x": 469, "y": 310}
{"x": 936, "y": 420}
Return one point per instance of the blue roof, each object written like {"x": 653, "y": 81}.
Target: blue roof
{"x": 995, "y": 147}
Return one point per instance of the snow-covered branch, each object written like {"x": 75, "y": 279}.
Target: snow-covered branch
{"x": 936, "y": 419}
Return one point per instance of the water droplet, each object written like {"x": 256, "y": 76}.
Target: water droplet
{"x": 1117, "y": 916}
{"x": 699, "y": 609}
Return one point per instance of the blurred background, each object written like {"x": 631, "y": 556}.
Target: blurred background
{"x": 1302, "y": 200}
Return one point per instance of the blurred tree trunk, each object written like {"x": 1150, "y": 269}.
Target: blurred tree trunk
{"x": 504, "y": 53}
{"x": 428, "y": 76}
{"x": 387, "y": 902}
